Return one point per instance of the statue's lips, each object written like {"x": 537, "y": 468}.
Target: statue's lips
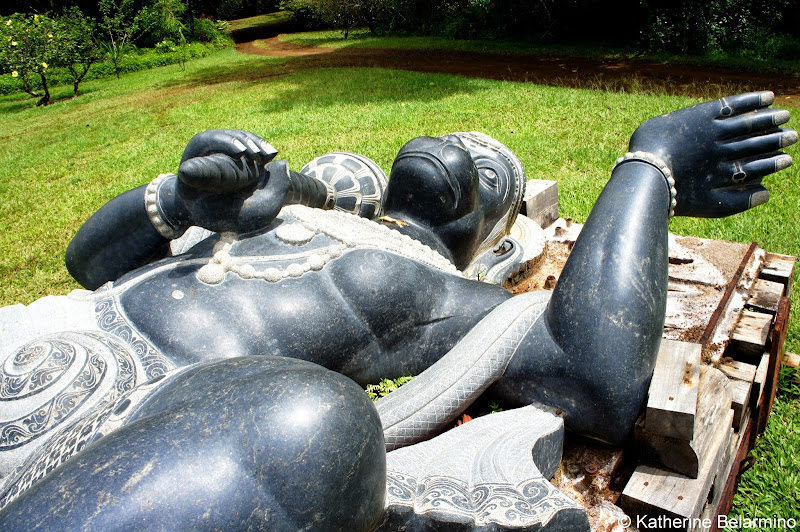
{"x": 442, "y": 170}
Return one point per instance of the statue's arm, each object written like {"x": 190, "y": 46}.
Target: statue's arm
{"x": 592, "y": 353}
{"x": 115, "y": 240}
{"x": 227, "y": 181}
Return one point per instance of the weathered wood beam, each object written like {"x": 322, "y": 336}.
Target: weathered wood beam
{"x": 750, "y": 337}
{"x": 653, "y": 492}
{"x": 779, "y": 268}
{"x": 765, "y": 296}
{"x": 672, "y": 398}
{"x": 541, "y": 201}
{"x": 684, "y": 456}
{"x": 741, "y": 377}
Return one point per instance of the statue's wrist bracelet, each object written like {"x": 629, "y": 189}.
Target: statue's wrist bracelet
{"x": 661, "y": 166}
{"x": 155, "y": 209}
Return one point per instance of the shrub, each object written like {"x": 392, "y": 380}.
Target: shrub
{"x": 732, "y": 26}
{"x": 207, "y": 30}
{"x": 161, "y": 21}
{"x": 342, "y": 14}
{"x": 304, "y": 16}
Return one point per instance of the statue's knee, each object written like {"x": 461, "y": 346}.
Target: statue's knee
{"x": 263, "y": 443}
{"x": 309, "y": 438}
{"x": 318, "y": 448}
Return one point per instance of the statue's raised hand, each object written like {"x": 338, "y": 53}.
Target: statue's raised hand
{"x": 226, "y": 184}
{"x": 719, "y": 151}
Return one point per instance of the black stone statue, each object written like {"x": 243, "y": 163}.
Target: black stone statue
{"x": 220, "y": 396}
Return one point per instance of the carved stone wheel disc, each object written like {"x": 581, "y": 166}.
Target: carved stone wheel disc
{"x": 359, "y": 182}
{"x": 530, "y": 235}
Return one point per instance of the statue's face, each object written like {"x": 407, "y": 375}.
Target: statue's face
{"x": 495, "y": 175}
{"x": 464, "y": 186}
{"x": 501, "y": 185}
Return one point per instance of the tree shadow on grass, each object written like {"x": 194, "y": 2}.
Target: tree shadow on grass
{"x": 328, "y": 79}
{"x": 617, "y": 75}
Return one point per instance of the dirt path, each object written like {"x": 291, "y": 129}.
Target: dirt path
{"x": 558, "y": 71}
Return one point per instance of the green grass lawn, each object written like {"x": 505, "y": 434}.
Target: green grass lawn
{"x": 60, "y": 163}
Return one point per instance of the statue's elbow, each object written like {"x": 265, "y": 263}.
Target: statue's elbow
{"x": 78, "y": 268}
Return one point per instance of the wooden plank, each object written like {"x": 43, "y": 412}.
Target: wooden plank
{"x": 778, "y": 338}
{"x": 715, "y": 496}
{"x": 779, "y": 268}
{"x": 746, "y": 442}
{"x": 721, "y": 478}
{"x": 681, "y": 456}
{"x": 740, "y": 401}
{"x": 672, "y": 401}
{"x": 653, "y": 492}
{"x": 751, "y": 335}
{"x": 735, "y": 369}
{"x": 742, "y": 376}
{"x": 791, "y": 360}
{"x": 541, "y": 201}
{"x": 722, "y": 306}
{"x": 765, "y": 295}
{"x": 759, "y": 381}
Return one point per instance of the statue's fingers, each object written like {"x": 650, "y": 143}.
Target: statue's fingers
{"x": 260, "y": 146}
{"x": 218, "y": 173}
{"x": 754, "y": 169}
{"x": 211, "y": 142}
{"x": 256, "y": 148}
{"x": 743, "y": 103}
{"x": 740, "y": 199}
{"x": 245, "y": 140}
{"x": 760, "y": 120}
{"x": 759, "y": 144}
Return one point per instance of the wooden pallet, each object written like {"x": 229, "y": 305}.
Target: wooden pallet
{"x": 751, "y": 366}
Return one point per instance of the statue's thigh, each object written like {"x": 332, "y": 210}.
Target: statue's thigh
{"x": 258, "y": 442}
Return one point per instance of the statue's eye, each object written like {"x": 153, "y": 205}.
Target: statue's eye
{"x": 489, "y": 178}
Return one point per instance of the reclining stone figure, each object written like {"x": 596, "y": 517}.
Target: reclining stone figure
{"x": 192, "y": 386}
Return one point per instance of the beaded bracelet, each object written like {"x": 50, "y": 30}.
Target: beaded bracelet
{"x": 153, "y": 207}
{"x": 661, "y": 166}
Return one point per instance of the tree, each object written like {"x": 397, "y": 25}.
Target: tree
{"x": 77, "y": 49}
{"x": 342, "y": 14}
{"x": 687, "y": 26}
{"x": 121, "y": 21}
{"x": 28, "y": 47}
{"x": 161, "y": 20}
